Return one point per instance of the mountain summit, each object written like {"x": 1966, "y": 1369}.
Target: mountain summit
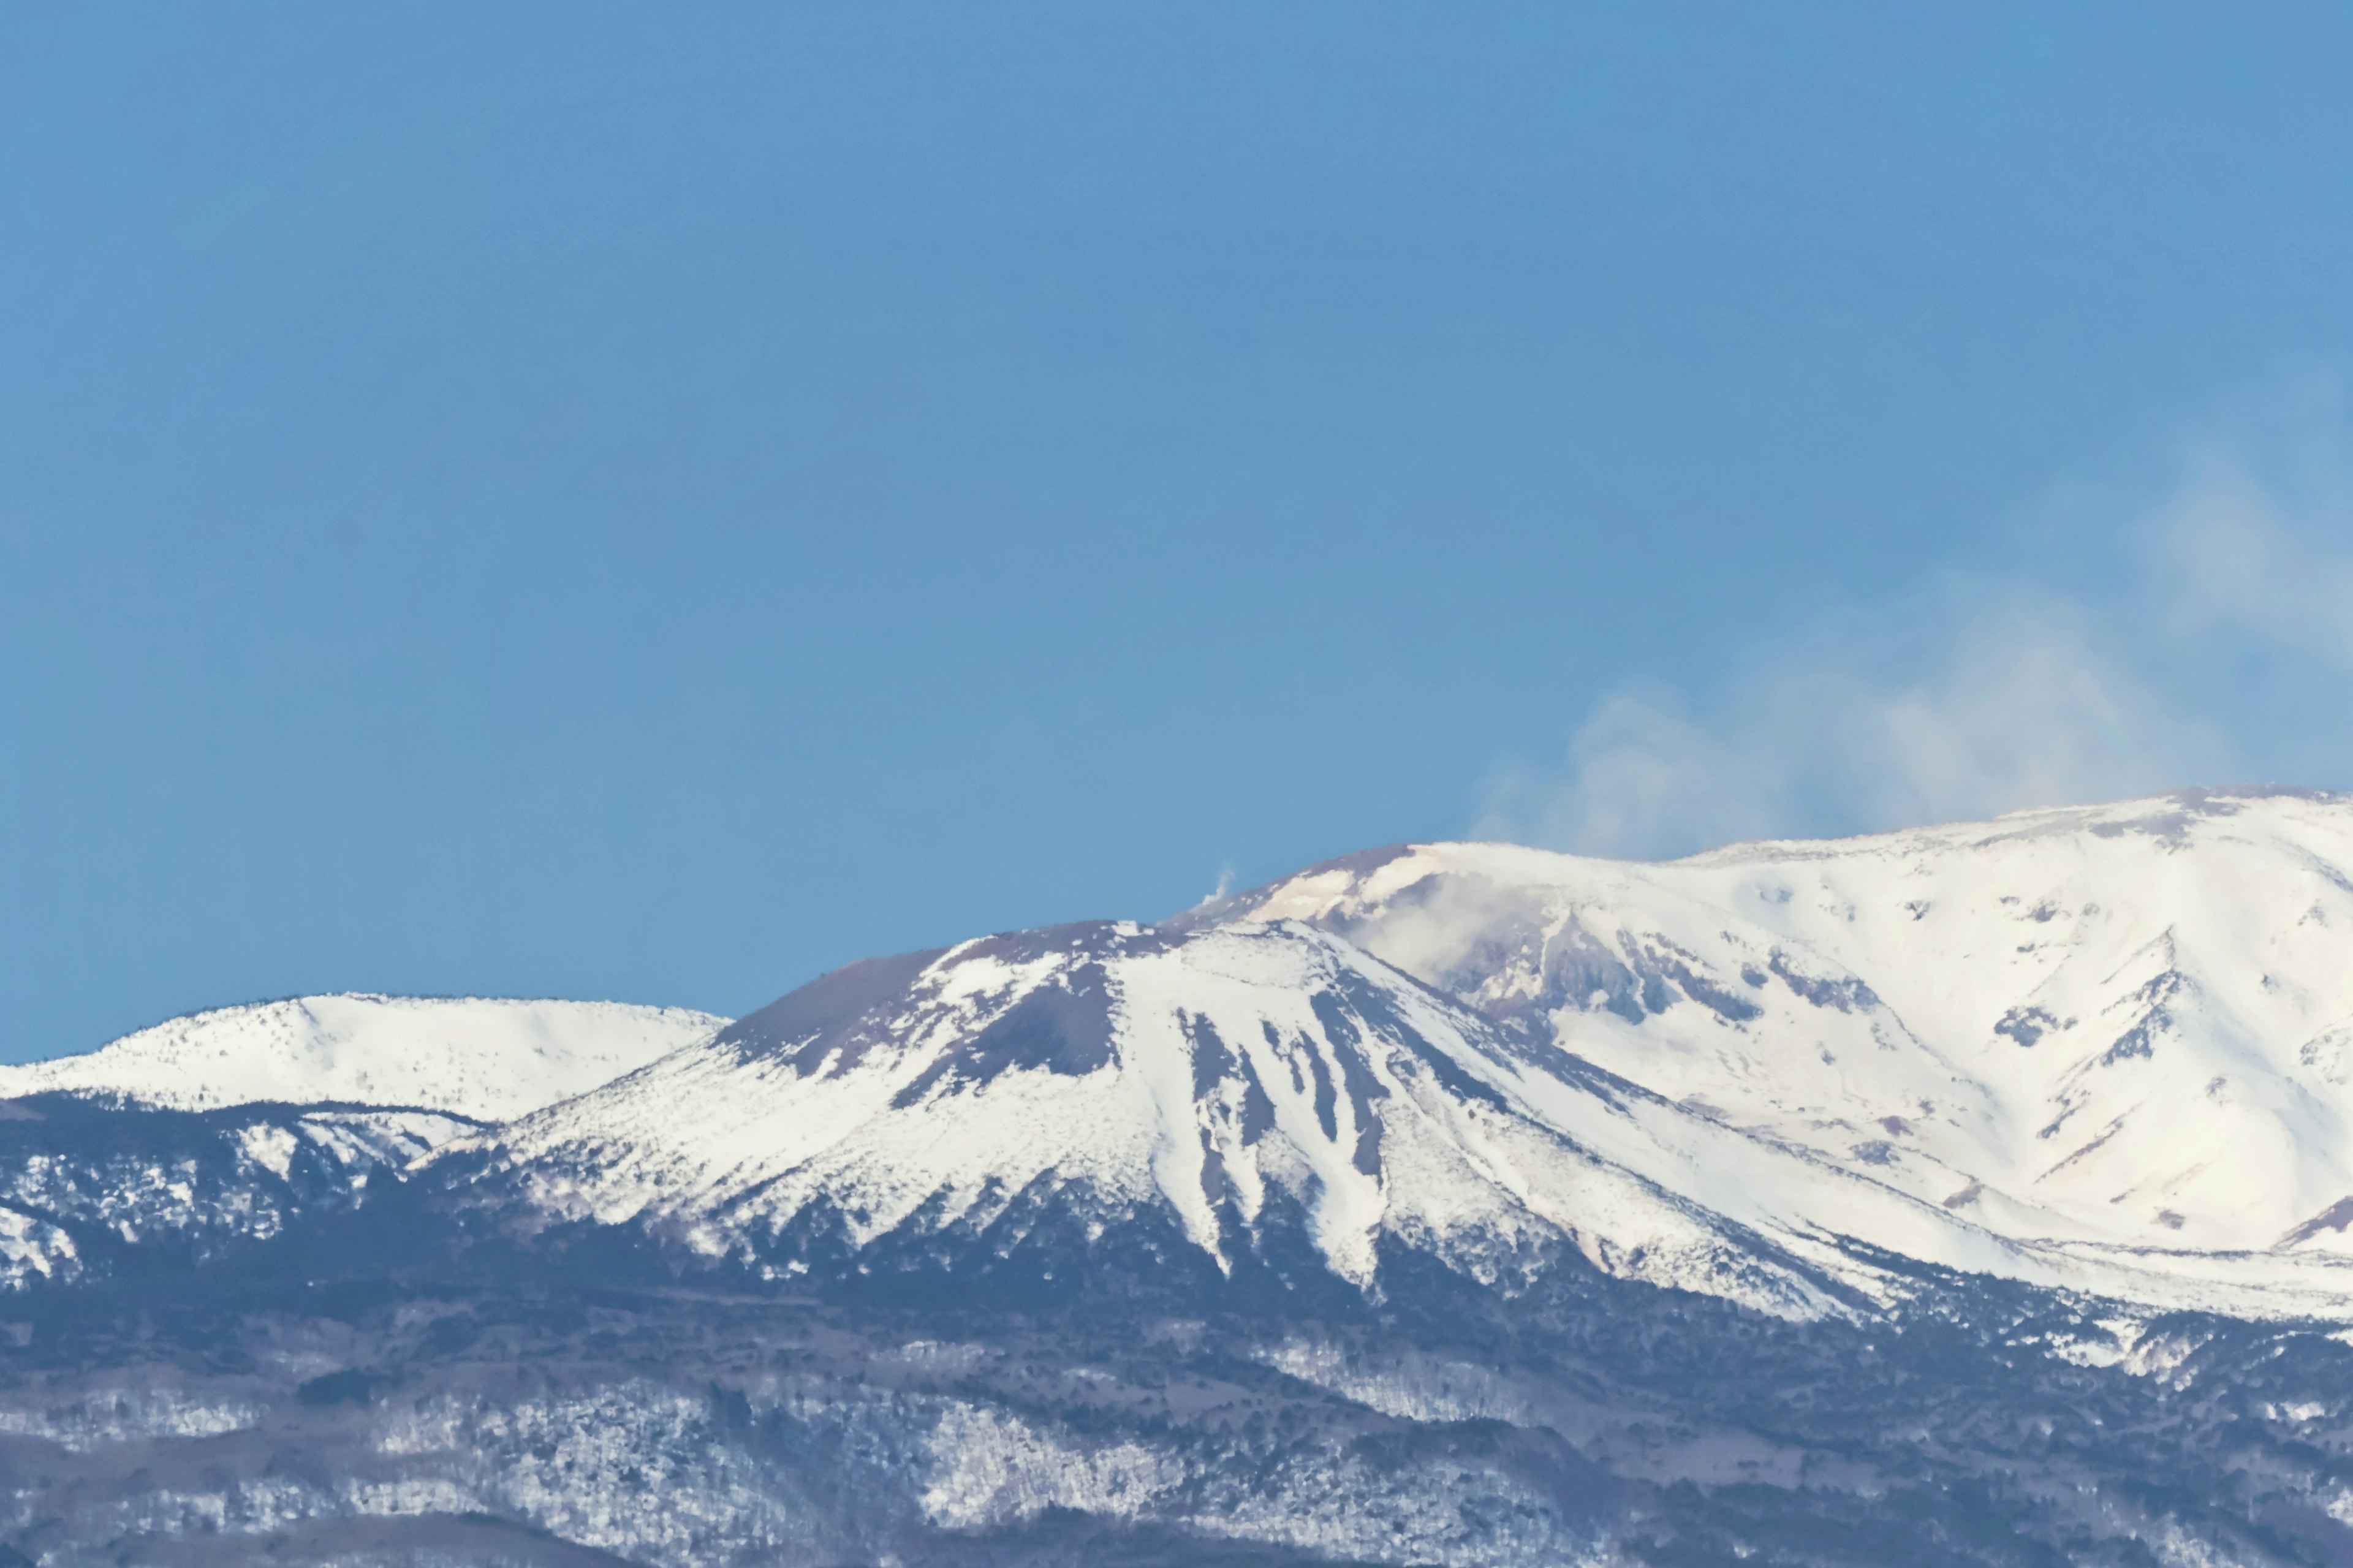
{"x": 1970, "y": 1196}
{"x": 2095, "y": 1049}
{"x": 488, "y": 1059}
{"x": 2125, "y": 1027}
{"x": 1242, "y": 1095}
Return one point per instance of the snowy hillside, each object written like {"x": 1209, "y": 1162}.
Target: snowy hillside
{"x": 2128, "y": 1028}
{"x": 485, "y": 1058}
{"x": 85, "y": 1183}
{"x": 2106, "y": 1048}
{"x": 1999, "y": 1173}
{"x": 1233, "y": 1083}
{"x": 1246, "y": 1086}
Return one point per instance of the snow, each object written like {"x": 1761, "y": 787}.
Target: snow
{"x": 2108, "y": 1049}
{"x": 2114, "y": 1038}
{"x": 485, "y": 1058}
{"x": 992, "y": 1469}
{"x": 1238, "y": 1062}
{"x": 1221, "y": 1083}
{"x": 2092, "y": 1049}
{"x": 128, "y": 1414}
{"x": 31, "y": 1247}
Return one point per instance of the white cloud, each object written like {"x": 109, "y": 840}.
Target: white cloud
{"x": 1640, "y": 776}
{"x": 2005, "y": 700}
{"x": 2022, "y": 708}
{"x": 2226, "y": 652}
{"x": 2239, "y": 557}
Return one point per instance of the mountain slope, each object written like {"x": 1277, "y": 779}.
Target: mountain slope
{"x": 486, "y": 1058}
{"x": 2125, "y": 1029}
{"x": 224, "y": 1128}
{"x": 1230, "y": 1241}
{"x": 87, "y": 1188}
{"x": 1248, "y": 1090}
{"x": 1239, "y": 1093}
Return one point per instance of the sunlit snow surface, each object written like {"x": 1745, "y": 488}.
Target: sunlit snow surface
{"x": 2103, "y": 1048}
{"x": 2126, "y": 1030}
{"x": 2108, "y": 1049}
{"x": 490, "y": 1060}
{"x": 1262, "y": 1236}
{"x": 1240, "y": 1077}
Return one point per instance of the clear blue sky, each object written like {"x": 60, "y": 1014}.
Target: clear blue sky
{"x": 656, "y": 502}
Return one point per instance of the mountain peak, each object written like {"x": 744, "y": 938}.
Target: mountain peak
{"x": 1254, "y": 1087}
{"x": 2125, "y": 1026}
{"x": 486, "y": 1058}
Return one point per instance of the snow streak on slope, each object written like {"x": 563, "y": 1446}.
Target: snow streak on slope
{"x": 2127, "y": 1029}
{"x": 1232, "y": 1082}
{"x": 485, "y": 1058}
{"x": 1242, "y": 1083}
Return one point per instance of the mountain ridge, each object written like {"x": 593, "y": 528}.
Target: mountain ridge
{"x": 490, "y": 1058}
{"x": 1454, "y": 1205}
{"x": 1897, "y": 1000}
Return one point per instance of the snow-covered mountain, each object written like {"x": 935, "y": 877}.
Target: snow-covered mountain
{"x": 2104, "y": 1048}
{"x": 85, "y": 1183}
{"x": 487, "y": 1058}
{"x": 1252, "y": 1089}
{"x": 226, "y": 1125}
{"x": 1995, "y": 1174}
{"x": 2127, "y": 1029}
{"x": 1247, "y": 1088}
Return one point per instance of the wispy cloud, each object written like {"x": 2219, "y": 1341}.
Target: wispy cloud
{"x": 2237, "y": 557}
{"x": 1970, "y": 698}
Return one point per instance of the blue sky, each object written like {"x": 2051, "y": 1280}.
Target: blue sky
{"x": 583, "y": 501}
